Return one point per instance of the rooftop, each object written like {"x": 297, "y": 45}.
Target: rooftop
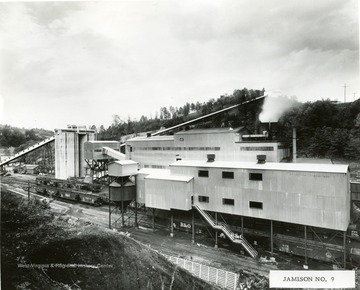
{"x": 153, "y": 138}
{"x": 329, "y": 168}
{"x": 124, "y": 162}
{"x": 211, "y": 131}
{"x": 103, "y": 142}
{"x": 31, "y": 166}
{"x": 166, "y": 176}
{"x": 153, "y": 171}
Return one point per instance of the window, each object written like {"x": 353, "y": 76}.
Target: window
{"x": 203, "y": 198}
{"x": 264, "y": 148}
{"x": 203, "y": 173}
{"x": 181, "y": 139}
{"x": 228, "y": 174}
{"x": 255, "y": 176}
{"x": 255, "y": 204}
{"x": 228, "y": 201}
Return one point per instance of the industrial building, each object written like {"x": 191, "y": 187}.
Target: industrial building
{"x": 227, "y": 143}
{"x": 69, "y": 151}
{"x": 230, "y": 180}
{"x": 302, "y": 196}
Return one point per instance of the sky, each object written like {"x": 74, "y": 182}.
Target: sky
{"x": 84, "y": 62}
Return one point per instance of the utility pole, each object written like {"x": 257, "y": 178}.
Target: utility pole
{"x": 345, "y": 93}
{"x": 28, "y": 189}
{"x": 354, "y": 95}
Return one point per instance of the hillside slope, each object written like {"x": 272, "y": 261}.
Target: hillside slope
{"x": 40, "y": 250}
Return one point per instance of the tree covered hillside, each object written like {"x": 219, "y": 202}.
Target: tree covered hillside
{"x": 244, "y": 116}
{"x": 325, "y": 129}
{"x": 13, "y": 140}
{"x": 19, "y": 138}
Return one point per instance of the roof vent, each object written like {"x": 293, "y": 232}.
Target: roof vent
{"x": 210, "y": 157}
{"x": 261, "y": 159}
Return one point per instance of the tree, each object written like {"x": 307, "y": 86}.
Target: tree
{"x": 164, "y": 114}
{"x": 186, "y": 109}
{"x": 93, "y": 127}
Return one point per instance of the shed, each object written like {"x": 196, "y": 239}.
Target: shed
{"x": 123, "y": 168}
{"x": 31, "y": 169}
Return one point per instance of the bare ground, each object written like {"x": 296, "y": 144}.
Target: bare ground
{"x": 43, "y": 250}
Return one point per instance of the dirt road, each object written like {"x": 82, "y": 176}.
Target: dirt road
{"x": 180, "y": 245}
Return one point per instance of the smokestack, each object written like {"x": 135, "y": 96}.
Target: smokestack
{"x": 294, "y": 145}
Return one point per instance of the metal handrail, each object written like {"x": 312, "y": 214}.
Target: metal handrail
{"x": 227, "y": 231}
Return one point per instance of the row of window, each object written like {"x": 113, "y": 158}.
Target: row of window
{"x": 99, "y": 150}
{"x": 230, "y": 175}
{"x": 175, "y": 148}
{"x": 230, "y": 201}
{"x": 155, "y": 166}
{"x": 263, "y": 148}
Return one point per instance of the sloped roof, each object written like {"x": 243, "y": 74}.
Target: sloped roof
{"x": 305, "y": 167}
{"x": 31, "y": 166}
{"x": 152, "y": 138}
{"x": 211, "y": 131}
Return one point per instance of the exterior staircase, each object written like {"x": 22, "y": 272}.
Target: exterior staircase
{"x": 238, "y": 239}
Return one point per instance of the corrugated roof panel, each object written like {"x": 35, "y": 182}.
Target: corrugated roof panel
{"x": 210, "y": 131}
{"x": 153, "y": 171}
{"x": 331, "y": 168}
{"x": 103, "y": 142}
{"x": 125, "y": 162}
{"x": 154, "y": 138}
{"x": 165, "y": 175}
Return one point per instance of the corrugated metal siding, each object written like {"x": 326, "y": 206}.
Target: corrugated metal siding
{"x": 168, "y": 194}
{"x": 90, "y": 147}
{"x": 70, "y": 154}
{"x": 315, "y": 199}
{"x": 118, "y": 169}
{"x": 229, "y": 149}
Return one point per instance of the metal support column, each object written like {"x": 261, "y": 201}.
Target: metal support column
{"x": 216, "y": 233}
{"x": 242, "y": 225}
{"x": 109, "y": 209}
{"x": 28, "y": 190}
{"x": 153, "y": 220}
{"x": 305, "y": 236}
{"x": 171, "y": 224}
{"x": 271, "y": 237}
{"x": 192, "y": 226}
{"x": 122, "y": 202}
{"x": 136, "y": 217}
{"x": 345, "y": 250}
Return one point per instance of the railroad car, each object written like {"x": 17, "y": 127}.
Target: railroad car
{"x": 70, "y": 190}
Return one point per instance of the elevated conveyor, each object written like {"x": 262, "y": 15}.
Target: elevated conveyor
{"x": 238, "y": 239}
{"x": 113, "y": 153}
{"x": 206, "y": 116}
{"x": 28, "y": 150}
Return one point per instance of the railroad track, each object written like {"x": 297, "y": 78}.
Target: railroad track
{"x": 98, "y": 216}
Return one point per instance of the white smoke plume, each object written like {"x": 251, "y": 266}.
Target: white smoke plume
{"x": 275, "y": 105}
